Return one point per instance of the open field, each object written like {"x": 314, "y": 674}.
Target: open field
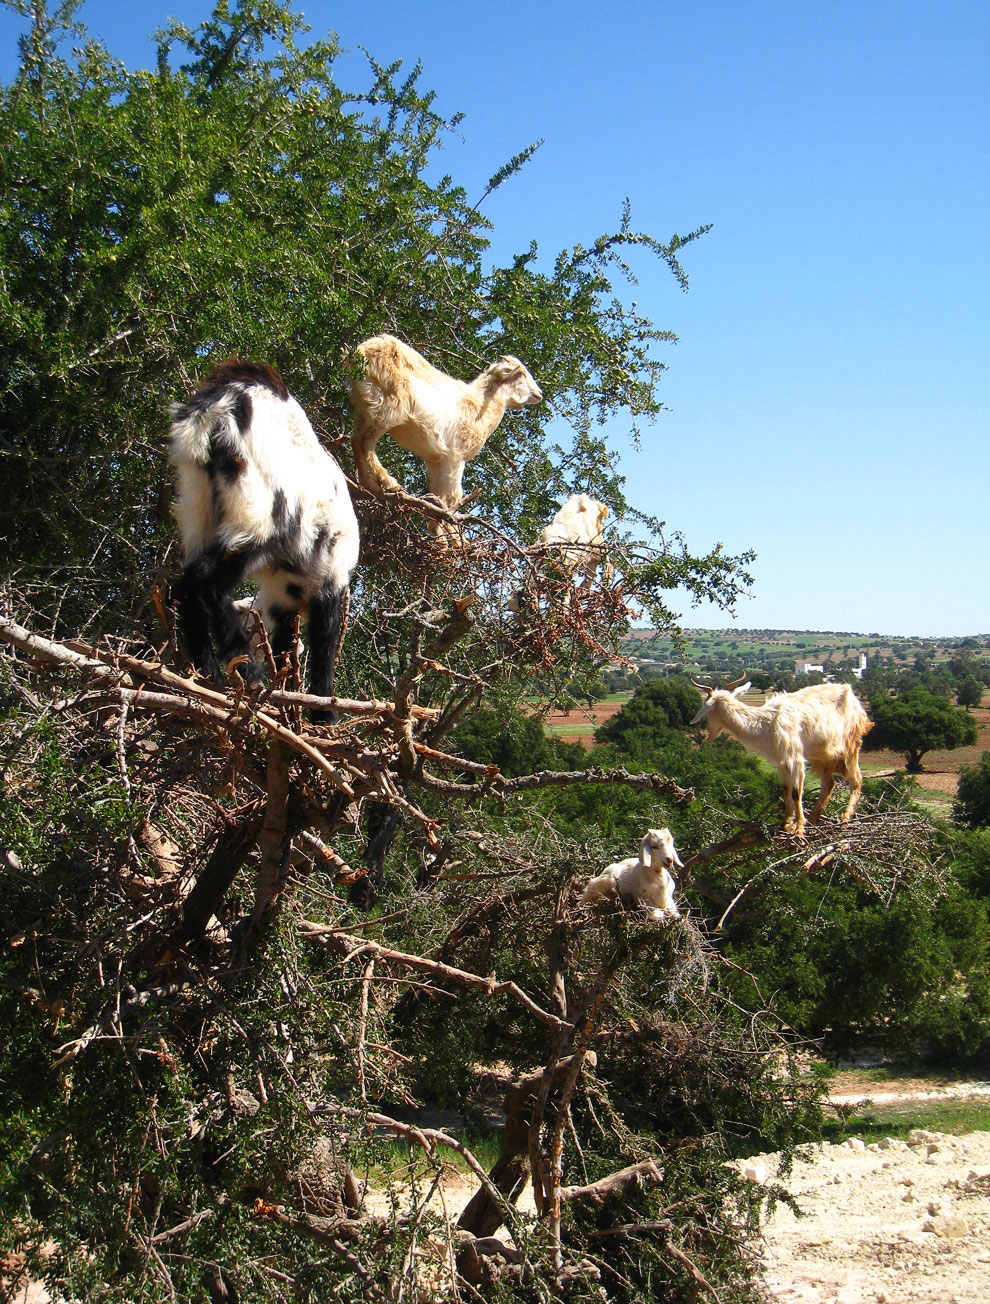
{"x": 579, "y": 724}
{"x": 939, "y": 779}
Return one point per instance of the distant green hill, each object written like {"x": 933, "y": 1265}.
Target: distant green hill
{"x": 778, "y": 649}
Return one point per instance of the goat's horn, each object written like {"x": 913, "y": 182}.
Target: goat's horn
{"x": 736, "y": 682}
{"x": 703, "y": 688}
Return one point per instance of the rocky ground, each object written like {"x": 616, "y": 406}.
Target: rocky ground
{"x": 886, "y": 1223}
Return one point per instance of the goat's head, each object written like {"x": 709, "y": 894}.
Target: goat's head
{"x": 518, "y": 387}
{"x": 658, "y": 851}
{"x": 596, "y": 512}
{"x": 713, "y": 698}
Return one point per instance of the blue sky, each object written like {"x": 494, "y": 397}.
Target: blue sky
{"x": 828, "y": 398}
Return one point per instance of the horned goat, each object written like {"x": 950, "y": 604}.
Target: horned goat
{"x": 442, "y": 420}
{"x": 822, "y": 726}
{"x": 256, "y": 493}
{"x": 574, "y": 539}
{"x": 642, "y": 880}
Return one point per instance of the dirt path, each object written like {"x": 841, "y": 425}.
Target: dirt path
{"x": 887, "y": 1223}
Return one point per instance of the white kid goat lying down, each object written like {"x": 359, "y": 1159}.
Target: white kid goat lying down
{"x": 642, "y": 880}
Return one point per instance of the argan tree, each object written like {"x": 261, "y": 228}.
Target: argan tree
{"x": 242, "y": 950}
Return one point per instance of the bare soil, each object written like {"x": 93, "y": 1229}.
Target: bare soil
{"x": 579, "y": 724}
{"x": 887, "y": 1223}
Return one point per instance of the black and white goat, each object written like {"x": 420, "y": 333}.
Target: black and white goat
{"x": 256, "y": 493}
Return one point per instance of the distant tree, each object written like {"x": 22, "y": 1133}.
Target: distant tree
{"x": 972, "y": 806}
{"x": 916, "y": 723}
{"x": 655, "y": 709}
{"x": 970, "y": 692}
{"x": 762, "y": 680}
{"x": 940, "y": 683}
{"x": 514, "y": 741}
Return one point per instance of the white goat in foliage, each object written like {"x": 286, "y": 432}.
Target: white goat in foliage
{"x": 575, "y": 541}
{"x": 642, "y": 880}
{"x": 822, "y": 726}
{"x": 442, "y": 420}
{"x": 258, "y": 494}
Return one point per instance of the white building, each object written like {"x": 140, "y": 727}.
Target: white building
{"x": 807, "y": 668}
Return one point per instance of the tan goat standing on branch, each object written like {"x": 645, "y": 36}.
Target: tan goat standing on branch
{"x": 442, "y": 420}
{"x": 822, "y": 726}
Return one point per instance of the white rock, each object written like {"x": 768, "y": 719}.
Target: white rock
{"x": 919, "y": 1136}
{"x": 755, "y": 1173}
{"x": 949, "y": 1228}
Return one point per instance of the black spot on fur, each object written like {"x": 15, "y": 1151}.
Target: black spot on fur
{"x": 284, "y": 548}
{"x": 201, "y": 401}
{"x": 242, "y": 410}
{"x": 294, "y": 590}
{"x": 280, "y": 511}
{"x": 210, "y": 393}
{"x": 324, "y": 541}
{"x": 223, "y": 461}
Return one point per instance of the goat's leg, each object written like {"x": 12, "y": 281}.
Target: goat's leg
{"x": 445, "y": 476}
{"x": 327, "y": 612}
{"x": 793, "y": 780}
{"x": 596, "y": 889}
{"x": 797, "y": 794}
{"x": 828, "y": 783}
{"x": 370, "y": 471}
{"x": 194, "y": 623}
{"x": 854, "y": 778}
{"x": 205, "y": 600}
{"x": 281, "y": 622}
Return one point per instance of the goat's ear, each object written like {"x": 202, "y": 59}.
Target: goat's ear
{"x": 742, "y": 689}
{"x": 508, "y": 367}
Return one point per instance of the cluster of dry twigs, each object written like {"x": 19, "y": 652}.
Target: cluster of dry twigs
{"x": 226, "y": 782}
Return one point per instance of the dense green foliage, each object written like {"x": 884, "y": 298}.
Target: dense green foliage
{"x": 837, "y": 962}
{"x": 653, "y": 710}
{"x": 238, "y": 200}
{"x": 972, "y": 807}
